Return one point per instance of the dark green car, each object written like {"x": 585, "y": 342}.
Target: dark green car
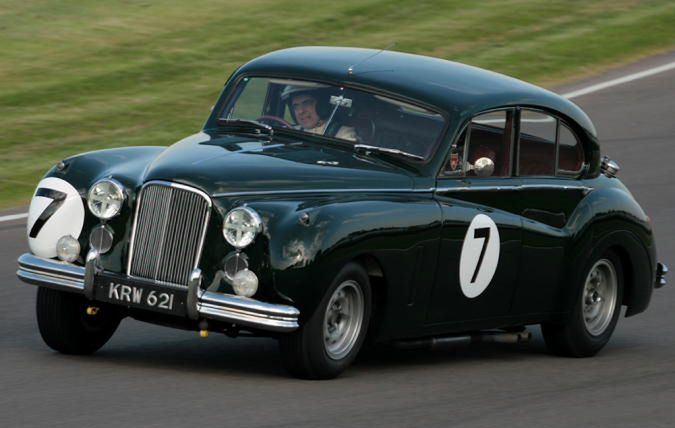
{"x": 336, "y": 196}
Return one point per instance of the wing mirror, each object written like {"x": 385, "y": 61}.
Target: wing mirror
{"x": 483, "y": 167}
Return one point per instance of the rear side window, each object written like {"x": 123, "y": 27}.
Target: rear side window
{"x": 570, "y": 152}
{"x": 537, "y": 150}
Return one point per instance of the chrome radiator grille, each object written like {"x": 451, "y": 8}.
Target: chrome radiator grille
{"x": 168, "y": 232}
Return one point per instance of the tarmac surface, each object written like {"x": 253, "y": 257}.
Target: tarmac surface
{"x": 151, "y": 376}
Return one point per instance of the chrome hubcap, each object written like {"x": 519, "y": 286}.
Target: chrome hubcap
{"x": 600, "y": 291}
{"x": 343, "y": 319}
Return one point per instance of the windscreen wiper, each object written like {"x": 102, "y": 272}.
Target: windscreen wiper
{"x": 366, "y": 148}
{"x": 245, "y": 126}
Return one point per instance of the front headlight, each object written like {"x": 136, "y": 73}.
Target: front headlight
{"x": 241, "y": 226}
{"x": 105, "y": 198}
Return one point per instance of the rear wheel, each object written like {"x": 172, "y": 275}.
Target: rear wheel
{"x": 596, "y": 311}
{"x": 327, "y": 343}
{"x": 65, "y": 325}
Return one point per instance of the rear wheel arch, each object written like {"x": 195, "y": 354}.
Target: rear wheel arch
{"x": 636, "y": 276}
{"x": 636, "y": 264}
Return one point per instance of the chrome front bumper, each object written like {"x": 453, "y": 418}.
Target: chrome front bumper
{"x": 205, "y": 304}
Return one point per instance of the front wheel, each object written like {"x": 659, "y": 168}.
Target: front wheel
{"x": 596, "y": 311}
{"x": 65, "y": 325}
{"x": 327, "y": 343}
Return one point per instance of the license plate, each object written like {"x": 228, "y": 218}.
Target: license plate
{"x": 138, "y": 294}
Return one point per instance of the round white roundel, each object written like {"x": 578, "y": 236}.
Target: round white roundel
{"x": 55, "y": 210}
{"x": 480, "y": 256}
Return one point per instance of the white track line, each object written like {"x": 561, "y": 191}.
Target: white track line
{"x": 13, "y": 217}
{"x": 620, "y": 80}
{"x": 587, "y": 90}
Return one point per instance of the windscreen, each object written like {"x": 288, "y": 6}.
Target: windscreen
{"x": 347, "y": 115}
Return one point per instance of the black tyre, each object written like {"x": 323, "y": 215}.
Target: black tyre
{"x": 65, "y": 325}
{"x": 596, "y": 310}
{"x": 329, "y": 341}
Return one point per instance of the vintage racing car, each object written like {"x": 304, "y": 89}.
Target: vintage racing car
{"x": 338, "y": 195}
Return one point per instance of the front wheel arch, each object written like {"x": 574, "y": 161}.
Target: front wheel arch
{"x": 306, "y": 353}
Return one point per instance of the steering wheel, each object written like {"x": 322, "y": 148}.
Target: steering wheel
{"x": 274, "y": 119}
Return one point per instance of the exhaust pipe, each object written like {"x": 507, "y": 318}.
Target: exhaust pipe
{"x": 479, "y": 337}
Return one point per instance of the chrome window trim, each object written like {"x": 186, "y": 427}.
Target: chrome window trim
{"x": 200, "y": 246}
{"x": 567, "y": 172}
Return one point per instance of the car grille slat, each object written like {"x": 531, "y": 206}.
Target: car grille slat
{"x": 168, "y": 233}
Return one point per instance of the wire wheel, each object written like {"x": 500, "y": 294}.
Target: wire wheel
{"x": 599, "y": 297}
{"x": 343, "y": 319}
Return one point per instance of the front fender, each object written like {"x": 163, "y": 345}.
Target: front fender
{"x": 126, "y": 165}
{"x": 310, "y": 240}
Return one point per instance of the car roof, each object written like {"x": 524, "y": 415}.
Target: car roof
{"x": 458, "y": 89}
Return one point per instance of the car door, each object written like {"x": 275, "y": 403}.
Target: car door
{"x": 549, "y": 160}
{"x": 479, "y": 254}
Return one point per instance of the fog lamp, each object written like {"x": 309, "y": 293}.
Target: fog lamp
{"x": 67, "y": 249}
{"x": 245, "y": 283}
{"x": 101, "y": 238}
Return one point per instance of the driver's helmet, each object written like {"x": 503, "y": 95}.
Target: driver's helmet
{"x": 319, "y": 93}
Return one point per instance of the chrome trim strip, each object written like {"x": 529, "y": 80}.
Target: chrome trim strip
{"x": 476, "y": 189}
{"x": 305, "y": 191}
{"x": 219, "y": 306}
{"x": 428, "y": 190}
{"x": 514, "y": 187}
{"x": 555, "y": 186}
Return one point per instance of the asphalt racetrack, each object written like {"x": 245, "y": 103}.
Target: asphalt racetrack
{"x": 150, "y": 376}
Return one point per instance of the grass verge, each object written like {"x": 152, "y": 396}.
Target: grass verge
{"x": 78, "y": 75}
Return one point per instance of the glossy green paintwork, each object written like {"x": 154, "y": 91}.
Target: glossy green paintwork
{"x": 385, "y": 212}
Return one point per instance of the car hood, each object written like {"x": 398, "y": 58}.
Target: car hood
{"x": 233, "y": 164}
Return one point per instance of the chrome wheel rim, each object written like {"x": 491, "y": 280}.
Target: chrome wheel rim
{"x": 599, "y": 297}
{"x": 343, "y": 320}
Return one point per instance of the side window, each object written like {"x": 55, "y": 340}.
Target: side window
{"x": 488, "y": 136}
{"x": 570, "y": 152}
{"x": 454, "y": 164}
{"x": 537, "y": 143}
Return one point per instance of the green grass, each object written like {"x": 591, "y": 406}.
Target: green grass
{"x": 78, "y": 75}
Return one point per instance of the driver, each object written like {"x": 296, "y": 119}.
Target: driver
{"x": 304, "y": 107}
